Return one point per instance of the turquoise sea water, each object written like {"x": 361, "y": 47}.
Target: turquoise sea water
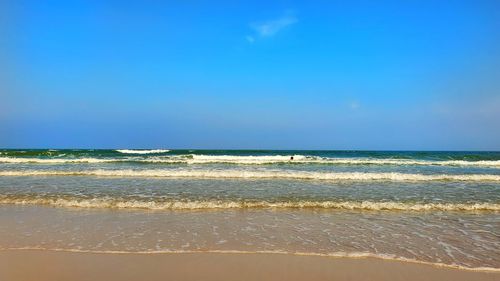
{"x": 435, "y": 207}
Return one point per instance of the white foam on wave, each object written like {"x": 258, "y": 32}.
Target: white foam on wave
{"x": 264, "y": 159}
{"x": 142, "y": 151}
{"x": 258, "y": 174}
{"x": 113, "y": 203}
{"x": 305, "y": 159}
{"x": 14, "y": 160}
{"x": 250, "y": 160}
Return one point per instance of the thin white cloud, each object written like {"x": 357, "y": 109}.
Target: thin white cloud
{"x": 354, "y": 105}
{"x": 271, "y": 27}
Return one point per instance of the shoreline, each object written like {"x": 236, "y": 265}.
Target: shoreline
{"x": 340, "y": 255}
{"x": 30, "y": 264}
{"x": 150, "y": 233}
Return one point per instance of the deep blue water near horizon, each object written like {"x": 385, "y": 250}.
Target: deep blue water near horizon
{"x": 429, "y": 206}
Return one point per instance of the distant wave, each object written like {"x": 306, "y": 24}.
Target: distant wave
{"x": 142, "y": 151}
{"x": 249, "y": 160}
{"x": 259, "y": 174}
{"x": 14, "y": 160}
{"x": 109, "y": 202}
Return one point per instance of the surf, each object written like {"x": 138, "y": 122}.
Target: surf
{"x": 142, "y": 151}
{"x": 113, "y": 203}
{"x": 144, "y": 157}
{"x": 259, "y": 174}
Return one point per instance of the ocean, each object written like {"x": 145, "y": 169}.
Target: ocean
{"x": 438, "y": 208}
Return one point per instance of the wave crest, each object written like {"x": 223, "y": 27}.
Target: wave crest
{"x": 113, "y": 203}
{"x": 143, "y": 157}
{"x": 54, "y": 160}
{"x": 142, "y": 151}
{"x": 259, "y": 174}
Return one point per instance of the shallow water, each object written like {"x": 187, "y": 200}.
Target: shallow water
{"x": 437, "y": 207}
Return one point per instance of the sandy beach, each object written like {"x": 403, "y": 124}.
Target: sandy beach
{"x": 40, "y": 265}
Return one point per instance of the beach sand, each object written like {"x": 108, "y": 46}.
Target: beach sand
{"x": 40, "y": 265}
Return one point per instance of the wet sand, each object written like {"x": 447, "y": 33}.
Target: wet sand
{"x": 40, "y": 265}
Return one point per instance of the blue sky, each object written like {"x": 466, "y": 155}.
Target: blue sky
{"x": 392, "y": 75}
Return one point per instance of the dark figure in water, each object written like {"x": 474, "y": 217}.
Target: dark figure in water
{"x": 291, "y": 158}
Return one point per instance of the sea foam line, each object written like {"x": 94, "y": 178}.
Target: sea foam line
{"x": 142, "y": 151}
{"x": 259, "y": 174}
{"x": 113, "y": 203}
{"x": 248, "y": 160}
{"x": 354, "y": 255}
{"x": 304, "y": 159}
{"x": 26, "y": 160}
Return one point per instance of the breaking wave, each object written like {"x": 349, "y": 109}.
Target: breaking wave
{"x": 55, "y": 160}
{"x": 259, "y": 174}
{"x": 142, "y": 151}
{"x": 113, "y": 203}
{"x": 247, "y": 160}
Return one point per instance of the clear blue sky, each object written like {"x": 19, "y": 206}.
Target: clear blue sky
{"x": 412, "y": 75}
